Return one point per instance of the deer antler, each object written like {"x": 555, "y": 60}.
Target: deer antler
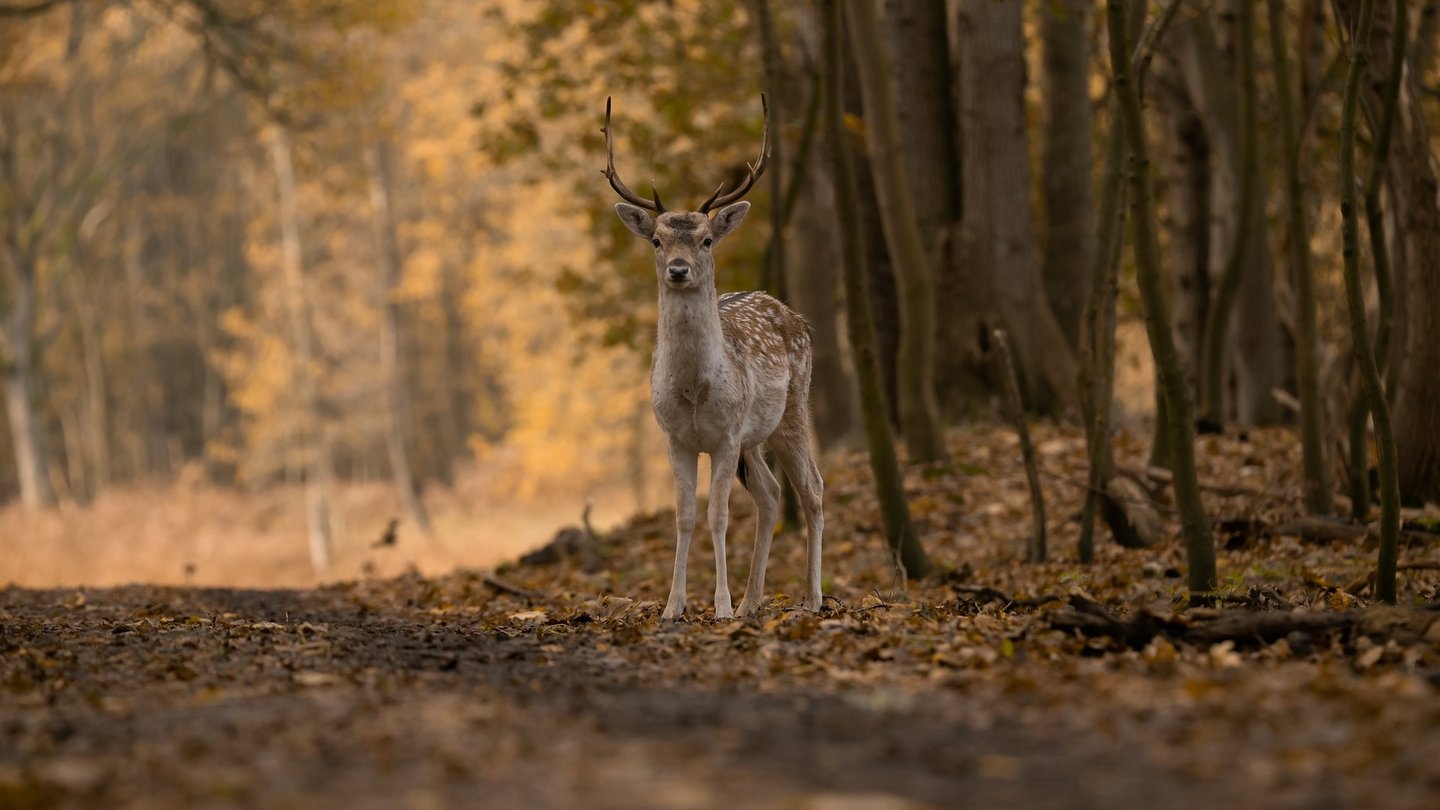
{"x": 757, "y": 169}
{"x": 614, "y": 177}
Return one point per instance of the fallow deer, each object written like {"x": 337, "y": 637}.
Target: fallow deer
{"x": 730, "y": 374}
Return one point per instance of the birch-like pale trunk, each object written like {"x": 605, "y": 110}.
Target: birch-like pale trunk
{"x": 314, "y": 441}
{"x": 379, "y": 173}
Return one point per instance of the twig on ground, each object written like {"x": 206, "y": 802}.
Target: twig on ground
{"x": 513, "y": 590}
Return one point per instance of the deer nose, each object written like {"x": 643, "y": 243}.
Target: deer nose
{"x": 678, "y": 272}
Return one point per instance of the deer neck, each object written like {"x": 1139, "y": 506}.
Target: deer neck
{"x": 689, "y": 345}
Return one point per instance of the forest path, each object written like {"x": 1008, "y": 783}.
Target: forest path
{"x": 362, "y": 696}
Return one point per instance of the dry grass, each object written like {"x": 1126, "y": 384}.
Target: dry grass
{"x": 190, "y": 533}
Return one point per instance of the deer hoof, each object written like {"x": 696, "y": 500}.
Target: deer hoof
{"x": 814, "y": 602}
{"x": 748, "y": 608}
{"x": 673, "y": 611}
{"x": 723, "y": 611}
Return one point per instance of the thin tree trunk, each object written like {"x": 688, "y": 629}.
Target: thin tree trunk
{"x": 387, "y": 273}
{"x": 919, "y": 412}
{"x": 1374, "y": 212}
{"x": 27, "y": 443}
{"x": 1413, "y": 186}
{"x": 1359, "y": 327}
{"x": 1069, "y": 211}
{"x": 1097, "y": 343}
{"x": 1199, "y": 545}
{"x": 1010, "y": 385}
{"x": 1318, "y": 499}
{"x": 774, "y": 279}
{"x": 1122, "y": 502}
{"x": 889, "y": 484}
{"x": 314, "y": 439}
{"x": 1248, "y": 182}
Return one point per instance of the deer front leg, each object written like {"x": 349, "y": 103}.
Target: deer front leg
{"x": 682, "y": 464}
{"x": 723, "y": 464}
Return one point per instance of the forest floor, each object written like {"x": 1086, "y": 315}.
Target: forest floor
{"x": 554, "y": 683}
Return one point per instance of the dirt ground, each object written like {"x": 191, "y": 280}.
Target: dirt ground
{"x": 556, "y": 685}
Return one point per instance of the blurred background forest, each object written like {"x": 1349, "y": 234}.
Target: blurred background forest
{"x": 278, "y": 272}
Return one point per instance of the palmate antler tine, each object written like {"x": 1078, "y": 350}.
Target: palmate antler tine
{"x": 755, "y": 170}
{"x": 614, "y": 177}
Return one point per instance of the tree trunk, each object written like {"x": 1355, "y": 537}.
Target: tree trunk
{"x": 31, "y": 467}
{"x": 1359, "y": 327}
{"x": 815, "y": 293}
{"x": 1199, "y": 545}
{"x": 387, "y": 273}
{"x": 928, "y": 124}
{"x": 1318, "y": 499}
{"x": 889, "y": 485}
{"x": 1416, "y": 420}
{"x": 1238, "y": 254}
{"x": 314, "y": 438}
{"x": 1414, "y": 184}
{"x": 919, "y": 413}
{"x": 1069, "y": 211}
{"x": 997, "y": 246}
{"x": 1255, "y": 340}
{"x": 1185, "y": 155}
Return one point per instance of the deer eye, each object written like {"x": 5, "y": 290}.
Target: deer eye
{"x": 706, "y": 243}
{"x": 655, "y": 242}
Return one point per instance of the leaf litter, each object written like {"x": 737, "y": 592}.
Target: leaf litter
{"x": 555, "y": 684}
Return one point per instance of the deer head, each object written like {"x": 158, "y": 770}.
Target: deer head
{"x": 683, "y": 240}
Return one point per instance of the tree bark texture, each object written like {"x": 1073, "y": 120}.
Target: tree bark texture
{"x": 997, "y": 247}
{"x": 889, "y": 484}
{"x": 1184, "y": 153}
{"x": 915, "y": 374}
{"x": 815, "y": 293}
{"x": 915, "y": 30}
{"x": 1069, "y": 246}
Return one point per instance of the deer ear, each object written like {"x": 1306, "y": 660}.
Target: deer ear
{"x": 637, "y": 219}
{"x": 728, "y": 218}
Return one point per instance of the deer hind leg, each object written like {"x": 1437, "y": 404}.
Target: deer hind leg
{"x": 791, "y": 444}
{"x": 682, "y": 464}
{"x": 765, "y": 490}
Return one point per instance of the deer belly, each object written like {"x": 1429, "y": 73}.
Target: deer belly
{"x": 760, "y": 421}
{"x": 708, "y": 426}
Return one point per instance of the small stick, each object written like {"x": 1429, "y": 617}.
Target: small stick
{"x": 1016, "y": 414}
{"x": 505, "y": 587}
